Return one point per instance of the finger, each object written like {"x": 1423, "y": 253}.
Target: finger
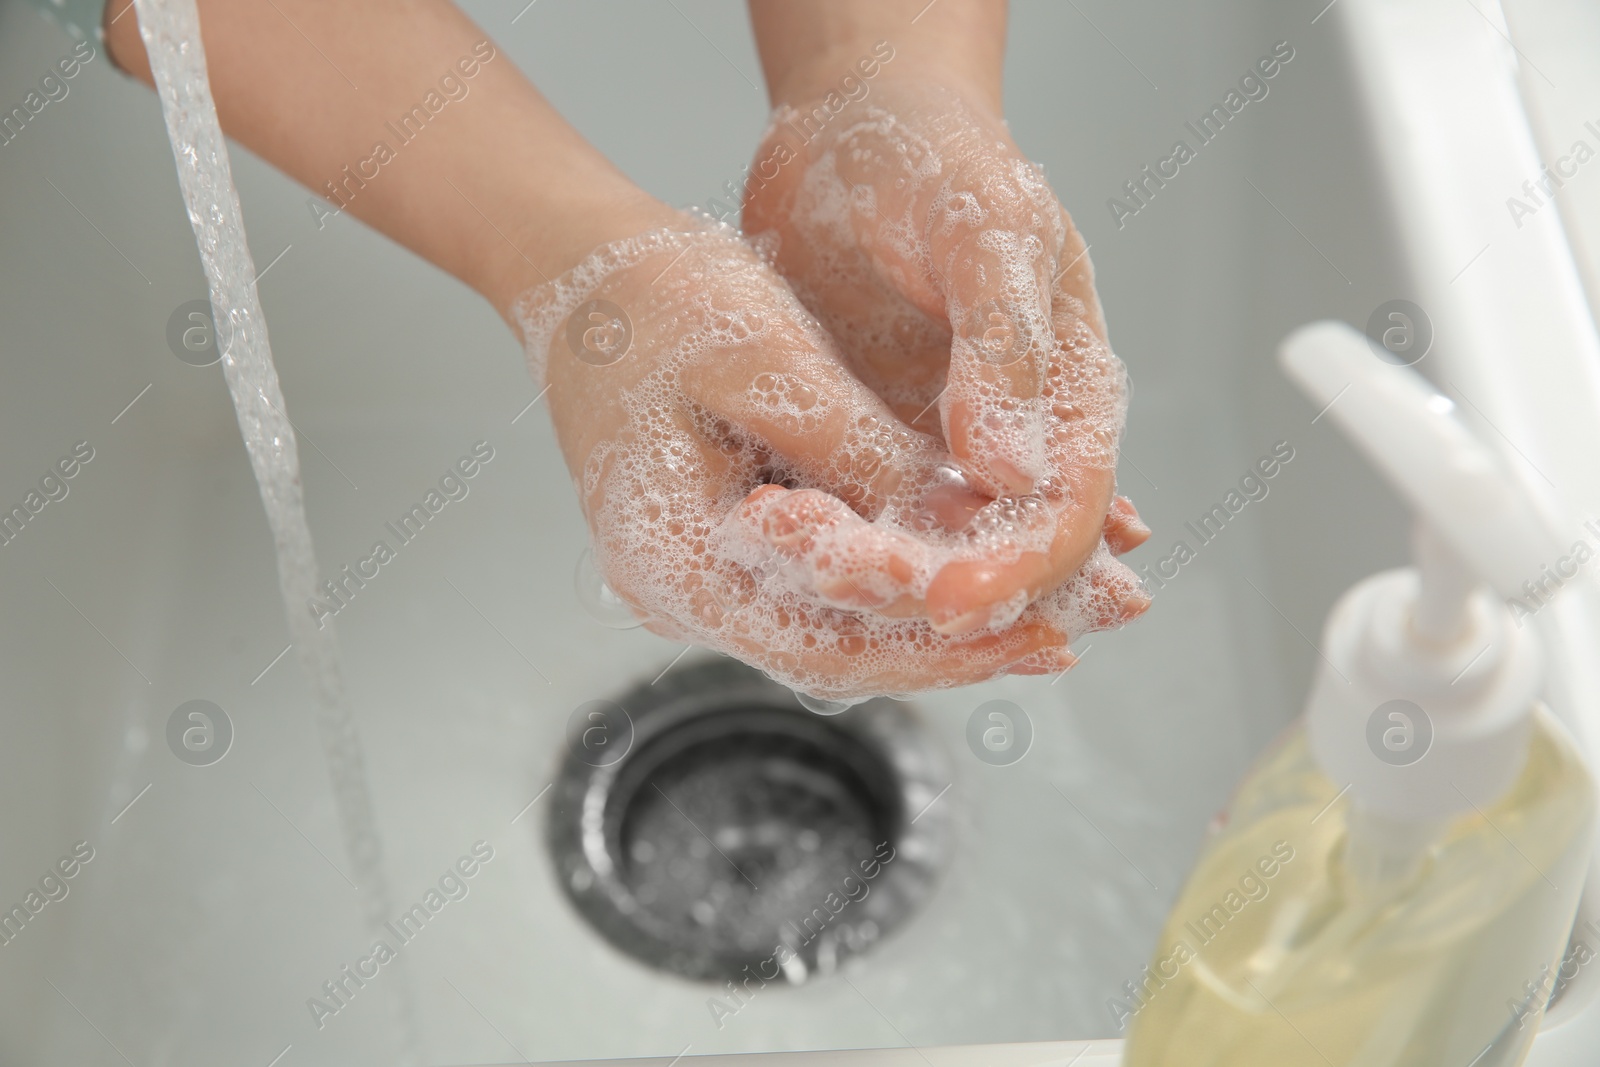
{"x": 836, "y": 555}
{"x": 782, "y": 387}
{"x": 961, "y": 227}
{"x": 1121, "y": 606}
{"x": 724, "y": 602}
{"x": 727, "y": 603}
{"x": 837, "y": 654}
{"x": 1085, "y": 392}
{"x": 1124, "y": 529}
{"x": 850, "y": 665}
{"x": 965, "y": 594}
{"x": 1107, "y": 595}
{"x": 831, "y": 552}
{"x": 997, "y": 301}
{"x": 1085, "y": 389}
{"x": 785, "y": 387}
{"x": 1046, "y": 661}
{"x": 1075, "y": 278}
{"x": 996, "y": 233}
{"x": 1103, "y": 594}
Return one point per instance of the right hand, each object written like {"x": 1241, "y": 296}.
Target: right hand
{"x": 728, "y": 465}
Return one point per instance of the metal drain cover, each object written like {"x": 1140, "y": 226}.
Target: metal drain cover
{"x": 742, "y": 834}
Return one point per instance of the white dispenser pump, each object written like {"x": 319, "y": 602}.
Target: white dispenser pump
{"x": 1421, "y": 836}
{"x": 1435, "y": 639}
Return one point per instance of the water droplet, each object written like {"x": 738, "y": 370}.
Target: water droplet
{"x": 824, "y": 707}
{"x": 949, "y": 475}
{"x": 598, "y": 600}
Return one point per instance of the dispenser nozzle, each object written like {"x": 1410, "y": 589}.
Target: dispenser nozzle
{"x": 1453, "y": 482}
{"x": 1431, "y": 639}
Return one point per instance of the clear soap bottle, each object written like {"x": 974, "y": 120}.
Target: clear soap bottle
{"x": 1398, "y": 873}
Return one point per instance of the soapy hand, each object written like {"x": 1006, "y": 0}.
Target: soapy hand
{"x": 744, "y": 489}
{"x": 746, "y": 492}
{"x": 957, "y": 289}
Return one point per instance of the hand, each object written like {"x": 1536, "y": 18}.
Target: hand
{"x": 705, "y": 416}
{"x": 743, "y": 489}
{"x": 957, "y": 289}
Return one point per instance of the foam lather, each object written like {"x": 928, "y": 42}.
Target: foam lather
{"x": 683, "y": 451}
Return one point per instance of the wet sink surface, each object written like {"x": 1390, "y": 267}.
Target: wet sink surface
{"x": 217, "y": 903}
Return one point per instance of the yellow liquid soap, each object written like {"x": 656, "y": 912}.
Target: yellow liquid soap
{"x": 1290, "y": 945}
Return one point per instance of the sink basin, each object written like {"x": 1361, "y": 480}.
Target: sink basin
{"x": 217, "y": 919}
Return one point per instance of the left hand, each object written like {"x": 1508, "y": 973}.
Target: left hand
{"x": 952, "y": 279}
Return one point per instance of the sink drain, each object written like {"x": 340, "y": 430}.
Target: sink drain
{"x": 742, "y": 834}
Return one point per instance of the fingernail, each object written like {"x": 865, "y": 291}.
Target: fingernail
{"x": 1129, "y": 517}
{"x": 1044, "y": 661}
{"x": 843, "y": 592}
{"x": 1134, "y": 606}
{"x": 1057, "y": 659}
{"x": 953, "y": 625}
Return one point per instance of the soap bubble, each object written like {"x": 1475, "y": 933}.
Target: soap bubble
{"x": 1002, "y": 340}
{"x": 599, "y": 332}
{"x": 711, "y": 576}
{"x": 824, "y": 707}
{"x": 598, "y": 600}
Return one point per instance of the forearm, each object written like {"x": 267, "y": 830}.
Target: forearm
{"x": 489, "y": 183}
{"x": 805, "y": 45}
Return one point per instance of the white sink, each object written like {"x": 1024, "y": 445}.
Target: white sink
{"x": 217, "y": 901}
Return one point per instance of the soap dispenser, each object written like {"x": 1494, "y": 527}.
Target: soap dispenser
{"x": 1404, "y": 864}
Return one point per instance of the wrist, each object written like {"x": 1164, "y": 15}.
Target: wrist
{"x": 809, "y": 47}
{"x": 556, "y": 233}
{"x": 844, "y": 67}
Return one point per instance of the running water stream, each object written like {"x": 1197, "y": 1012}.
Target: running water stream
{"x": 171, "y": 33}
